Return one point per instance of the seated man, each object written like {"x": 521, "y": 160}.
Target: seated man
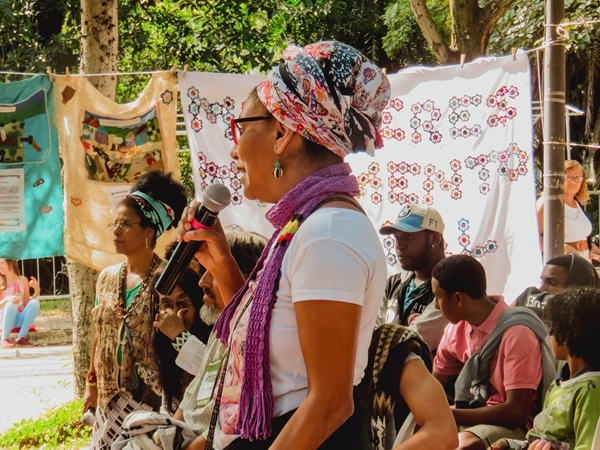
{"x": 572, "y": 406}
{"x": 196, "y": 407}
{"x": 408, "y": 299}
{"x": 498, "y": 352}
{"x": 559, "y": 273}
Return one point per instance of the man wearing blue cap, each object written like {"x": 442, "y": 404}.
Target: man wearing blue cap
{"x": 408, "y": 298}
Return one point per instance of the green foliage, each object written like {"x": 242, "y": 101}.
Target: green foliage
{"x": 404, "y": 40}
{"x": 523, "y": 26}
{"x": 60, "y": 427}
{"x": 35, "y": 34}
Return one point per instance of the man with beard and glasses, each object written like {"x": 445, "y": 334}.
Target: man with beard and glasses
{"x": 408, "y": 298}
{"x": 196, "y": 407}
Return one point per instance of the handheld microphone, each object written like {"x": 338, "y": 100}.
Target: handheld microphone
{"x": 216, "y": 198}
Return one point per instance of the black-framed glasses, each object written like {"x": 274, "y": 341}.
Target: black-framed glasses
{"x": 575, "y": 178}
{"x": 235, "y": 127}
{"x": 122, "y": 224}
{"x": 180, "y": 303}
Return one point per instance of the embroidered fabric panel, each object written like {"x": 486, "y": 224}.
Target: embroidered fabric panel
{"x": 106, "y": 147}
{"x": 458, "y": 139}
{"x": 31, "y": 213}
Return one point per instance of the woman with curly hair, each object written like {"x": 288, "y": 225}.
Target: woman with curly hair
{"x": 123, "y": 374}
{"x": 572, "y": 407}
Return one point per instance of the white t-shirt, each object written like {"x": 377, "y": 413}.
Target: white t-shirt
{"x": 336, "y": 255}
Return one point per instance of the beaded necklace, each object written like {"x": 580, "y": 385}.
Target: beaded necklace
{"x": 120, "y": 308}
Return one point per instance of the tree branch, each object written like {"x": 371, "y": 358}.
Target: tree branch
{"x": 440, "y": 49}
{"x": 489, "y": 16}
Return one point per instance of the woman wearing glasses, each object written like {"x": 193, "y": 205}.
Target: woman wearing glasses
{"x": 185, "y": 302}
{"x": 298, "y": 330}
{"x": 578, "y": 226}
{"x": 123, "y": 370}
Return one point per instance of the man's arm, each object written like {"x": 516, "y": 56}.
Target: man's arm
{"x": 510, "y": 414}
{"x": 427, "y": 402}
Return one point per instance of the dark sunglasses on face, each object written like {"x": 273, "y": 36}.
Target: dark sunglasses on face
{"x": 235, "y": 127}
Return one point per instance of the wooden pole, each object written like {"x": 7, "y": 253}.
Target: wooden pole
{"x": 554, "y": 132}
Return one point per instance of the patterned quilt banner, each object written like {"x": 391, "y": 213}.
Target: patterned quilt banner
{"x": 106, "y": 147}
{"x": 458, "y": 139}
{"x": 31, "y": 214}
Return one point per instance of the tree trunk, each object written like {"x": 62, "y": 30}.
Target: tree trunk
{"x": 471, "y": 28}
{"x": 99, "y": 52}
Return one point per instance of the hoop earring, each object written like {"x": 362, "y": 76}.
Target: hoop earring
{"x": 277, "y": 171}
{"x": 147, "y": 246}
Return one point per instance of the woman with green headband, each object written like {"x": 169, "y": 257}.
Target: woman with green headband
{"x": 123, "y": 373}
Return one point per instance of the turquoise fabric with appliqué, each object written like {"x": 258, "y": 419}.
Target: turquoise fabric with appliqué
{"x": 31, "y": 213}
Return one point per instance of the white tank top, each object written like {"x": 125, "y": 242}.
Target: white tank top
{"x": 577, "y": 225}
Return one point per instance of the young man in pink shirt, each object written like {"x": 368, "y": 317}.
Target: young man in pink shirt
{"x": 514, "y": 365}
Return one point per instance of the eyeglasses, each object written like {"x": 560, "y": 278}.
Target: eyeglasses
{"x": 122, "y": 224}
{"x": 180, "y": 303}
{"x": 235, "y": 127}
{"x": 575, "y": 178}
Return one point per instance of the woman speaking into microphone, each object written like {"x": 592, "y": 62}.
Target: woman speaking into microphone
{"x": 299, "y": 328}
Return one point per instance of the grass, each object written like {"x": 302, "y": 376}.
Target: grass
{"x": 55, "y": 307}
{"x": 59, "y": 428}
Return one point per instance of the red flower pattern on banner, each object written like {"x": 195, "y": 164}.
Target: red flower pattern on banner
{"x": 464, "y": 240}
{"x": 459, "y": 113}
{"x": 212, "y": 111}
{"x": 211, "y": 172}
{"x": 370, "y": 179}
{"x": 428, "y": 106}
{"x": 499, "y": 101}
{"x": 512, "y": 163}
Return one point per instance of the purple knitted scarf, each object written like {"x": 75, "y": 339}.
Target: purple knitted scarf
{"x": 256, "y": 399}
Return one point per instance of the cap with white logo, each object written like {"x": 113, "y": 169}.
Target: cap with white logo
{"x": 413, "y": 218}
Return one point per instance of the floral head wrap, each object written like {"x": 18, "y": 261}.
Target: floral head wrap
{"x": 329, "y": 93}
{"x": 159, "y": 213}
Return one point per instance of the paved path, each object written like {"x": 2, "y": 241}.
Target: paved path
{"x": 33, "y": 380}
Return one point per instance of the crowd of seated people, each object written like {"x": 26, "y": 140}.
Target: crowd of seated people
{"x": 498, "y": 356}
{"x": 506, "y": 394}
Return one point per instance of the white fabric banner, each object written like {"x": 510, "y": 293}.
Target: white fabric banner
{"x": 459, "y": 139}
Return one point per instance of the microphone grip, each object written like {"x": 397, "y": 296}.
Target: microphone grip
{"x": 183, "y": 254}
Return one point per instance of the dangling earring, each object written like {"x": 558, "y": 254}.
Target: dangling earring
{"x": 147, "y": 246}
{"x": 277, "y": 171}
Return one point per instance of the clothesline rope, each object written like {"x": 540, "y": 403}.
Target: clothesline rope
{"x": 572, "y": 144}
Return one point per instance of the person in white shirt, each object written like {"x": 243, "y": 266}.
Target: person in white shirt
{"x": 298, "y": 330}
